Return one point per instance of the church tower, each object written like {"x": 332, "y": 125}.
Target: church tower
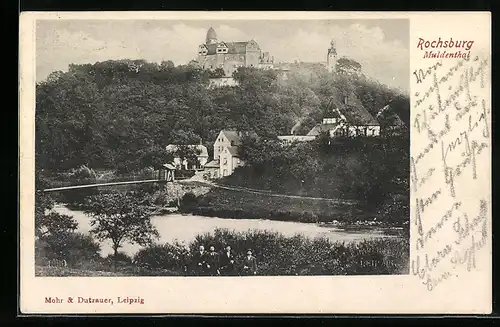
{"x": 331, "y": 59}
{"x": 211, "y": 36}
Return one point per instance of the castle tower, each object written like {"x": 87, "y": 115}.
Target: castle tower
{"x": 211, "y": 36}
{"x": 331, "y": 59}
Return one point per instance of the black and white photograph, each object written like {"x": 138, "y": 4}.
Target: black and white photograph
{"x": 222, "y": 148}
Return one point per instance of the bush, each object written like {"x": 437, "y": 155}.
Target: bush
{"x": 188, "y": 202}
{"x": 298, "y": 255}
{"x": 69, "y": 246}
{"x": 121, "y": 259}
{"x": 166, "y": 256}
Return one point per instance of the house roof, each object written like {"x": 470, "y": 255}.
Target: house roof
{"x": 233, "y": 136}
{"x": 233, "y": 150}
{"x": 213, "y": 164}
{"x": 386, "y": 116}
{"x": 203, "y": 149}
{"x": 358, "y": 115}
{"x": 354, "y": 111}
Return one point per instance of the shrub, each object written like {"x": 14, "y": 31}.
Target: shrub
{"x": 69, "y": 246}
{"x": 188, "y": 202}
{"x": 120, "y": 259}
{"x": 166, "y": 256}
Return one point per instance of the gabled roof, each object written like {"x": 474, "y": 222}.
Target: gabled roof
{"x": 386, "y": 116}
{"x": 358, "y": 116}
{"x": 233, "y": 136}
{"x": 354, "y": 111}
{"x": 203, "y": 152}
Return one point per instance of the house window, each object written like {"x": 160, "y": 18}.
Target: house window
{"x": 224, "y": 172}
{"x": 225, "y": 161}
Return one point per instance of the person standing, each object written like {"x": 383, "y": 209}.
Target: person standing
{"x": 227, "y": 261}
{"x": 249, "y": 264}
{"x": 200, "y": 261}
{"x": 213, "y": 262}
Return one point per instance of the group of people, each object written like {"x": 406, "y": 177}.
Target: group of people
{"x": 212, "y": 263}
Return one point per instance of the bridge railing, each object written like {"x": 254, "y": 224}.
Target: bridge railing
{"x": 57, "y": 181}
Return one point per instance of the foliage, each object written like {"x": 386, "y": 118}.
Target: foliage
{"x": 297, "y": 255}
{"x": 120, "y": 217}
{"x": 186, "y": 153}
{"x": 188, "y": 202}
{"x": 120, "y": 114}
{"x": 48, "y": 222}
{"x": 346, "y": 65}
{"x": 364, "y": 169}
{"x": 165, "y": 256}
{"x": 68, "y": 246}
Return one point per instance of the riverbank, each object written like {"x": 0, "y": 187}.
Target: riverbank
{"x": 226, "y": 203}
{"x": 276, "y": 255}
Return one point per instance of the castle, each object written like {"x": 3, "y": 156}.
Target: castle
{"x": 228, "y": 56}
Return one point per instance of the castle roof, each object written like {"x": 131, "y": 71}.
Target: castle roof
{"x": 211, "y": 34}
{"x": 232, "y": 47}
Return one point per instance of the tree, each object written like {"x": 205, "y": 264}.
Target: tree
{"x": 120, "y": 217}
{"x": 155, "y": 156}
{"x": 217, "y": 72}
{"x": 48, "y": 222}
{"x": 348, "y": 66}
{"x": 186, "y": 153}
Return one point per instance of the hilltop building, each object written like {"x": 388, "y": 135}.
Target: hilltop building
{"x": 228, "y": 56}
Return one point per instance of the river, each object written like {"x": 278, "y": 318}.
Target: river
{"x": 184, "y": 228}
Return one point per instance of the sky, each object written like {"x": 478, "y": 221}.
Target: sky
{"x": 380, "y": 46}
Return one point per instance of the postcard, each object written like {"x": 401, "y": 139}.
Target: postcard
{"x": 255, "y": 163}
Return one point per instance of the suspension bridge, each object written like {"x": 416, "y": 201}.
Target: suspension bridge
{"x": 162, "y": 176}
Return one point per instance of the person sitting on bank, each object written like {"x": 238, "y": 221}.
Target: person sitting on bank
{"x": 200, "y": 260}
{"x": 249, "y": 264}
{"x": 213, "y": 262}
{"x": 227, "y": 262}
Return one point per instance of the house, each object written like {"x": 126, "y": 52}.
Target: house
{"x": 200, "y": 151}
{"x": 226, "y": 158}
{"x": 347, "y": 117}
{"x": 229, "y": 160}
